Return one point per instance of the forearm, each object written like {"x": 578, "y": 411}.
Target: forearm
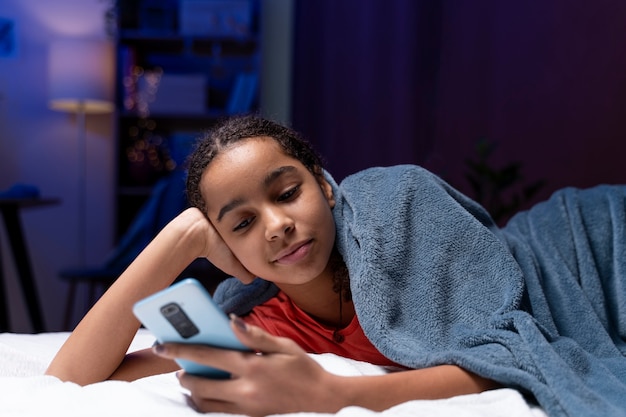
{"x": 97, "y": 346}
{"x": 383, "y": 391}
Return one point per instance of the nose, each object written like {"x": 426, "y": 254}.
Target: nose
{"x": 277, "y": 223}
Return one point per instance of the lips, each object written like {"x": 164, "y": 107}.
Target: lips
{"x": 294, "y": 253}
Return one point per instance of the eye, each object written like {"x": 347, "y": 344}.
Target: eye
{"x": 242, "y": 225}
{"x": 289, "y": 193}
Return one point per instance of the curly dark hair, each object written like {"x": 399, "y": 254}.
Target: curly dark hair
{"x": 232, "y": 130}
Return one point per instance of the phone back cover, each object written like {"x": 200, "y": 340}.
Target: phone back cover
{"x": 195, "y": 301}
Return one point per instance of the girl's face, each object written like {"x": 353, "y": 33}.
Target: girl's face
{"x": 273, "y": 214}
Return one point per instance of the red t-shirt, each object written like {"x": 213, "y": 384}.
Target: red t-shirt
{"x": 281, "y": 317}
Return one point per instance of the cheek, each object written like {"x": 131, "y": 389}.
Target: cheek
{"x": 326, "y": 221}
{"x": 247, "y": 252}
{"x": 326, "y": 208}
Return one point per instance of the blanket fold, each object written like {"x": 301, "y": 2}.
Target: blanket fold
{"x": 538, "y": 305}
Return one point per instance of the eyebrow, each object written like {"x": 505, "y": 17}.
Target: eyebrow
{"x": 269, "y": 179}
{"x": 274, "y": 175}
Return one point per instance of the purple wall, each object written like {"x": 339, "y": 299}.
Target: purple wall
{"x": 419, "y": 82}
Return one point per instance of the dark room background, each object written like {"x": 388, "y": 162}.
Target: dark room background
{"x": 539, "y": 83}
{"x": 542, "y": 81}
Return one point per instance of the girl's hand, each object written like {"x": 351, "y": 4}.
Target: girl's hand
{"x": 212, "y": 246}
{"x": 280, "y": 379}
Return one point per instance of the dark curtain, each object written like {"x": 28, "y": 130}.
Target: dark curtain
{"x": 365, "y": 80}
{"x": 424, "y": 81}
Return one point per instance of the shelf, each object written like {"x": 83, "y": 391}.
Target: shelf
{"x": 141, "y": 35}
{"x": 171, "y": 123}
{"x": 182, "y": 117}
{"x": 199, "y": 46}
{"x": 176, "y": 77}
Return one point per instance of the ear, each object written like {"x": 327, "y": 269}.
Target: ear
{"x": 327, "y": 190}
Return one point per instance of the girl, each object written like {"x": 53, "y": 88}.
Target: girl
{"x": 393, "y": 267}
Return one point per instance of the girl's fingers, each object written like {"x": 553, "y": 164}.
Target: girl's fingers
{"x": 209, "y": 394}
{"x": 227, "y": 360}
{"x": 277, "y": 379}
{"x": 232, "y": 361}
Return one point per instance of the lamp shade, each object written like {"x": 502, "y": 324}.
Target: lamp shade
{"x": 81, "y": 76}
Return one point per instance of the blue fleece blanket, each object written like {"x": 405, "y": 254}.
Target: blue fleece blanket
{"x": 539, "y": 305}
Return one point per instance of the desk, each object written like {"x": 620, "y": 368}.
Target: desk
{"x": 10, "y": 209}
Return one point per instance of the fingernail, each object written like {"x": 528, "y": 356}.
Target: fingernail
{"x": 158, "y": 348}
{"x": 239, "y": 323}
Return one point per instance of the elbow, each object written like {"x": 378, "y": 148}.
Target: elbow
{"x": 70, "y": 375}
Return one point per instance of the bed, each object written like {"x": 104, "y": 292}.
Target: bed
{"x": 25, "y": 391}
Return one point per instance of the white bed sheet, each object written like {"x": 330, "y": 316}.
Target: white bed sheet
{"x": 25, "y": 391}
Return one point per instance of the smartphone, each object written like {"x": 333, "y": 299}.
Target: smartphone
{"x": 186, "y": 313}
